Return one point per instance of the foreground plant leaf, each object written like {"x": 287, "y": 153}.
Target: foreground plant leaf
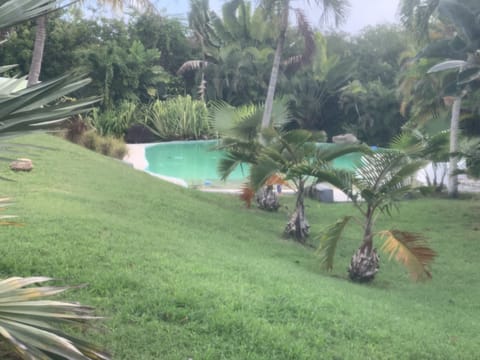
{"x": 411, "y": 250}
{"x": 329, "y": 240}
{"x": 29, "y": 323}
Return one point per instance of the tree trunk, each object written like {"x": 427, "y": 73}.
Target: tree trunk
{"x": 272, "y": 84}
{"x": 452, "y": 167}
{"x": 39, "y": 46}
{"x": 365, "y": 262}
{"x": 298, "y": 226}
{"x": 267, "y": 199}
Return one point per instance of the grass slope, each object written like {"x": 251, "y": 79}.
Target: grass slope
{"x": 182, "y": 274}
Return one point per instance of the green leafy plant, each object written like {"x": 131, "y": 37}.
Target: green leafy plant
{"x": 178, "y": 118}
{"x": 115, "y": 121}
{"x": 376, "y": 187}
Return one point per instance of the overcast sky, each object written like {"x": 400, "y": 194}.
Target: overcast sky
{"x": 362, "y": 12}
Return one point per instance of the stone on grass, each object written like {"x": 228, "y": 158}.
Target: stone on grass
{"x": 21, "y": 165}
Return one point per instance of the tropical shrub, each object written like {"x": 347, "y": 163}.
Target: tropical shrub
{"x": 115, "y": 121}
{"x": 106, "y": 145}
{"x": 178, "y": 118}
{"x": 382, "y": 179}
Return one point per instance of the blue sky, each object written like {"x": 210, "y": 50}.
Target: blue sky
{"x": 362, "y": 12}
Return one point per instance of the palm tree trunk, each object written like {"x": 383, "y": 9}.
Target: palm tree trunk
{"x": 267, "y": 199}
{"x": 453, "y": 164}
{"x": 298, "y": 226}
{"x": 267, "y": 114}
{"x": 39, "y": 46}
{"x": 365, "y": 262}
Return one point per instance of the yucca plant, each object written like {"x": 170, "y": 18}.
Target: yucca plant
{"x": 376, "y": 187}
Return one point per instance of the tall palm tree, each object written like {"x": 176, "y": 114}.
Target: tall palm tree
{"x": 234, "y": 50}
{"x": 418, "y": 16}
{"x": 280, "y": 10}
{"x": 41, "y": 32}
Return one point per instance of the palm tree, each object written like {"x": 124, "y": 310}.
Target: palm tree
{"x": 41, "y": 31}
{"x": 280, "y": 10}
{"x": 281, "y": 156}
{"x": 234, "y": 50}
{"x": 381, "y": 180}
{"x": 462, "y": 45}
{"x": 296, "y": 156}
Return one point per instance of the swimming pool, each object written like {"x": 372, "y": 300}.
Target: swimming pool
{"x": 196, "y": 162}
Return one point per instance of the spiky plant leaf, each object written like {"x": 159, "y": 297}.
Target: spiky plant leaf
{"x": 13, "y": 12}
{"x": 328, "y": 242}
{"x": 411, "y": 250}
{"x": 27, "y": 321}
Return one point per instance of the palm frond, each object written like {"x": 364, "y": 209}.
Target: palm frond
{"x": 328, "y": 242}
{"x": 411, "y": 250}
{"x": 308, "y": 36}
{"x": 276, "y": 179}
{"x": 263, "y": 170}
{"x": 247, "y": 194}
{"x": 336, "y": 150}
{"x": 192, "y": 65}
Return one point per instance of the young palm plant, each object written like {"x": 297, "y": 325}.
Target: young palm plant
{"x": 383, "y": 179}
{"x": 297, "y": 157}
{"x": 239, "y": 129}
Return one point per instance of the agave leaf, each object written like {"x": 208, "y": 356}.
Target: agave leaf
{"x": 328, "y": 242}
{"x": 28, "y": 323}
{"x": 411, "y": 250}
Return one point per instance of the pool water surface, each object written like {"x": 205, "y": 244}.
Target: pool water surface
{"x": 196, "y": 162}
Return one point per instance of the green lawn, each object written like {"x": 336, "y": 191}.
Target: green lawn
{"x": 182, "y": 274}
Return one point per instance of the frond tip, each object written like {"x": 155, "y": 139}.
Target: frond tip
{"x": 329, "y": 240}
{"x": 411, "y": 250}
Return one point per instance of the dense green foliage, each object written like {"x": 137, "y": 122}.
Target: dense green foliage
{"x": 229, "y": 55}
{"x": 180, "y": 274}
{"x": 178, "y": 118}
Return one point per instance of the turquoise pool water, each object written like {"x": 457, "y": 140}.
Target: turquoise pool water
{"x": 196, "y": 162}
{"x": 193, "y": 161}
